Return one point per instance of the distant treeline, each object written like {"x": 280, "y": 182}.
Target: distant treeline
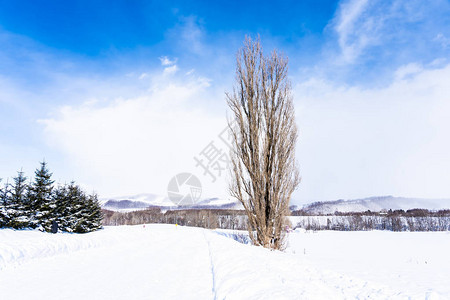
{"x": 206, "y": 218}
{"x": 397, "y": 220}
{"x": 416, "y": 212}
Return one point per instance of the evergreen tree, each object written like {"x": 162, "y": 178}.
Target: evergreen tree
{"x": 61, "y": 211}
{"x": 39, "y": 204}
{"x": 16, "y": 203}
{"x": 93, "y": 214}
{"x": 76, "y": 200}
{"x": 2, "y": 209}
{"x": 67, "y": 206}
{"x": 82, "y": 213}
{"x": 4, "y": 194}
{"x": 41, "y": 200}
{"x": 75, "y": 211}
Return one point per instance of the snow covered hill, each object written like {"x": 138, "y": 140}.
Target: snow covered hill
{"x": 376, "y": 204}
{"x": 174, "y": 262}
{"x": 138, "y": 201}
{"x": 143, "y": 201}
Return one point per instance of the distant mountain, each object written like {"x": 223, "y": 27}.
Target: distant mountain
{"x": 375, "y": 204}
{"x": 143, "y": 201}
{"x": 124, "y": 205}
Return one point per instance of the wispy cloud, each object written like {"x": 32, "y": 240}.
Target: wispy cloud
{"x": 170, "y": 70}
{"x": 189, "y": 35}
{"x": 408, "y": 71}
{"x": 362, "y": 25}
{"x": 443, "y": 40}
{"x": 353, "y": 32}
{"x": 165, "y": 61}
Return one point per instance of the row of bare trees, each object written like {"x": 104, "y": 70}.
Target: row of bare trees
{"x": 206, "y": 218}
{"x": 358, "y": 222}
{"x": 237, "y": 220}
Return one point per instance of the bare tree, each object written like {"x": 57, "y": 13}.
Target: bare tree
{"x": 264, "y": 172}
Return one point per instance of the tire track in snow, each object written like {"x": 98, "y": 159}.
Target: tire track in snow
{"x": 211, "y": 261}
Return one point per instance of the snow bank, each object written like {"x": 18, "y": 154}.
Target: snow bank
{"x": 173, "y": 262}
{"x": 19, "y": 246}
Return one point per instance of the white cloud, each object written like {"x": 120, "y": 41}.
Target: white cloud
{"x": 443, "y": 40}
{"x": 352, "y": 40}
{"x": 170, "y": 65}
{"x": 128, "y": 137}
{"x": 354, "y": 142}
{"x": 133, "y": 145}
{"x": 355, "y": 28}
{"x": 189, "y": 35}
{"x": 165, "y": 61}
{"x": 357, "y": 142}
{"x": 192, "y": 35}
{"x": 407, "y": 71}
{"x": 170, "y": 70}
{"x": 143, "y": 76}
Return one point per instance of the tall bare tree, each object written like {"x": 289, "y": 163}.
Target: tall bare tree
{"x": 264, "y": 173}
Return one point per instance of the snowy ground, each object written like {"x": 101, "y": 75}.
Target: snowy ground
{"x": 168, "y": 262}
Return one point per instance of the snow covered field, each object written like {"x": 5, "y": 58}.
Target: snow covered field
{"x": 168, "y": 262}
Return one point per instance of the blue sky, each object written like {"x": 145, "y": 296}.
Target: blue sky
{"x": 121, "y": 96}
{"x": 95, "y": 28}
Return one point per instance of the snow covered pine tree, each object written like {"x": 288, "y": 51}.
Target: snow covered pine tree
{"x": 90, "y": 215}
{"x": 41, "y": 200}
{"x": 16, "y": 203}
{"x": 39, "y": 204}
{"x": 4, "y": 194}
{"x": 75, "y": 211}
